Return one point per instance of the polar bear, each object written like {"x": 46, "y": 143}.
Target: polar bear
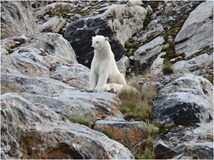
{"x": 104, "y": 71}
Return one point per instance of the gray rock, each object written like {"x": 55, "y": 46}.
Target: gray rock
{"x": 185, "y": 101}
{"x": 3, "y": 156}
{"x": 34, "y": 131}
{"x": 118, "y": 22}
{"x": 17, "y": 19}
{"x": 75, "y": 75}
{"x": 61, "y": 97}
{"x": 197, "y": 30}
{"x": 19, "y": 83}
{"x": 147, "y": 51}
{"x": 123, "y": 64}
{"x": 54, "y": 24}
{"x": 157, "y": 65}
{"x": 187, "y": 142}
{"x": 194, "y": 64}
{"x": 153, "y": 31}
{"x": 75, "y": 104}
{"x": 36, "y": 56}
{"x": 53, "y": 8}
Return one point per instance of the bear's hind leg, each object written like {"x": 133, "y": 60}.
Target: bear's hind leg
{"x": 121, "y": 79}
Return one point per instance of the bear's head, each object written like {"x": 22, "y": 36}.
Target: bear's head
{"x": 99, "y": 42}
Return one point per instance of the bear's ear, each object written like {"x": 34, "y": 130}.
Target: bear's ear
{"x": 106, "y": 38}
{"x": 92, "y": 37}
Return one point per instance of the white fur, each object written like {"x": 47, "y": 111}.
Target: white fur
{"x": 103, "y": 67}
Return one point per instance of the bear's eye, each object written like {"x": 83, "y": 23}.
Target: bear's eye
{"x": 96, "y": 41}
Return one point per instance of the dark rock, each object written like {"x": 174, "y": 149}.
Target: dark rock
{"x": 116, "y": 22}
{"x": 182, "y": 142}
{"x": 176, "y": 109}
{"x": 80, "y": 33}
{"x": 185, "y": 101}
{"x": 162, "y": 151}
{"x": 202, "y": 152}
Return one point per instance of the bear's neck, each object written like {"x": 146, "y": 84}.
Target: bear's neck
{"x": 103, "y": 52}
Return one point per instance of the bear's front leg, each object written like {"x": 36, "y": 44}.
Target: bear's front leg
{"x": 92, "y": 81}
{"x": 102, "y": 80}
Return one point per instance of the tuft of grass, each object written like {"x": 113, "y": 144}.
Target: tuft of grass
{"x": 150, "y": 130}
{"x": 109, "y": 134}
{"x": 147, "y": 20}
{"x": 167, "y": 69}
{"x": 146, "y": 148}
{"x": 209, "y": 76}
{"x": 131, "y": 46}
{"x": 154, "y": 4}
{"x": 133, "y": 110}
{"x": 148, "y": 154}
{"x": 149, "y": 93}
{"x": 137, "y": 104}
{"x": 80, "y": 121}
{"x": 128, "y": 94}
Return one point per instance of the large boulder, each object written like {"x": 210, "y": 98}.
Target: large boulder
{"x": 36, "y": 56}
{"x": 118, "y": 22}
{"x": 185, "y": 101}
{"x": 54, "y": 24}
{"x": 34, "y": 131}
{"x": 17, "y": 19}
{"x": 62, "y": 98}
{"x": 186, "y": 142}
{"x": 19, "y": 83}
{"x": 197, "y": 31}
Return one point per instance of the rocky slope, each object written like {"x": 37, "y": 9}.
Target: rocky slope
{"x": 45, "y": 66}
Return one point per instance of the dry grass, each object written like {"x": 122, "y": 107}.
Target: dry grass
{"x": 146, "y": 150}
{"x": 150, "y": 130}
{"x": 137, "y": 104}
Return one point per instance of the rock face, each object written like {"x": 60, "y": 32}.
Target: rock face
{"x": 186, "y": 143}
{"x": 130, "y": 134}
{"x": 41, "y": 97}
{"x": 147, "y": 51}
{"x": 54, "y": 24}
{"x": 115, "y": 22}
{"x": 197, "y": 30}
{"x": 22, "y": 120}
{"x": 185, "y": 101}
{"x": 36, "y": 56}
{"x": 17, "y": 19}
{"x": 195, "y": 64}
{"x": 75, "y": 75}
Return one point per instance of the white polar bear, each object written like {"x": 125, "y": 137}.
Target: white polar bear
{"x": 104, "y": 72}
